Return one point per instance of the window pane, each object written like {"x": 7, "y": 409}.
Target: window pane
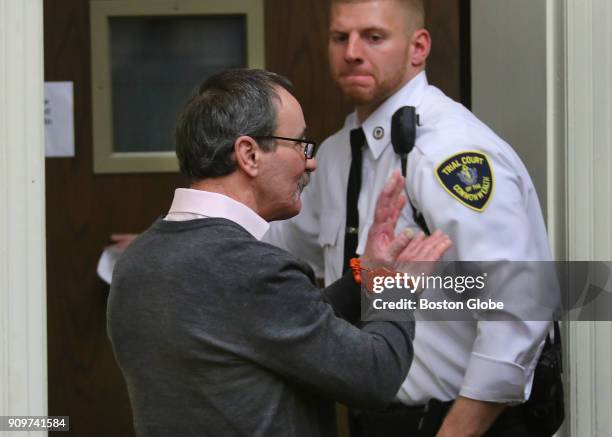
{"x": 156, "y": 64}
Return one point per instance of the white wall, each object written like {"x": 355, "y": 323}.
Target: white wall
{"x": 509, "y": 77}
{"x": 23, "y": 324}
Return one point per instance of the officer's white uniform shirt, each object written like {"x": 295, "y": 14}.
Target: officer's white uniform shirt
{"x": 486, "y": 360}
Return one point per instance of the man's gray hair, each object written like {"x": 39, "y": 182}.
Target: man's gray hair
{"x": 226, "y": 106}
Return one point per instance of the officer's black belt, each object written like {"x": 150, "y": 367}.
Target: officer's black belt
{"x": 399, "y": 420}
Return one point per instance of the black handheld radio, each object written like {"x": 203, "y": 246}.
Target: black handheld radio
{"x": 403, "y": 133}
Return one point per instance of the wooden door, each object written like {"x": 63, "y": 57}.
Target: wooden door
{"x": 83, "y": 209}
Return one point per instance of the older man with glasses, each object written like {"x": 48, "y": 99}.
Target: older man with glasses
{"x": 220, "y": 334}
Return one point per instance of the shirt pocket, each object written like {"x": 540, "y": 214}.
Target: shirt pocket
{"x": 333, "y": 247}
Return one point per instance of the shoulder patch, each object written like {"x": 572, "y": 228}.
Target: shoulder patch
{"x": 467, "y": 176}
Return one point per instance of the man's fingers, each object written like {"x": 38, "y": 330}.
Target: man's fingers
{"x": 441, "y": 249}
{"x": 428, "y": 244}
{"x": 395, "y": 182}
{"x": 412, "y": 249}
{"x": 122, "y": 241}
{"x": 434, "y": 247}
{"x": 399, "y": 243}
{"x": 397, "y": 210}
{"x": 386, "y": 220}
{"x": 389, "y": 201}
{"x": 120, "y": 237}
{"x": 423, "y": 248}
{"x": 391, "y": 190}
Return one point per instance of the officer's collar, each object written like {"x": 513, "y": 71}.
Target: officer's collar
{"x": 377, "y": 127}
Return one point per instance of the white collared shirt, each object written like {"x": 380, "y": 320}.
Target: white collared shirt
{"x": 190, "y": 204}
{"x": 492, "y": 361}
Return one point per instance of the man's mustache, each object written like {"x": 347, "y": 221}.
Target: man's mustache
{"x": 304, "y": 181}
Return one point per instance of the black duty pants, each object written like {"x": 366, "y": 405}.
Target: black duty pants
{"x": 403, "y": 421}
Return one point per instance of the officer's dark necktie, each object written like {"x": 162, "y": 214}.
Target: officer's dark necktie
{"x": 351, "y": 237}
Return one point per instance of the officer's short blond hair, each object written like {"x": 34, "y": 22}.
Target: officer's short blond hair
{"x": 415, "y": 9}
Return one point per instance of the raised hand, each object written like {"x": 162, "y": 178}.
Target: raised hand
{"x": 383, "y": 246}
{"x": 398, "y": 252}
{"x": 421, "y": 254}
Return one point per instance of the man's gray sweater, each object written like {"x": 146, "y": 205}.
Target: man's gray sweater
{"x": 218, "y": 334}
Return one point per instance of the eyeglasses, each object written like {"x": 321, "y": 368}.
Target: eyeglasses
{"x": 307, "y": 145}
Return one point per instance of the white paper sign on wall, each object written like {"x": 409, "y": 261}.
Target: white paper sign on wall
{"x": 59, "y": 119}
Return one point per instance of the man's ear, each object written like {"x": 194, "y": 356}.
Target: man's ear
{"x": 248, "y": 155}
{"x": 420, "y": 47}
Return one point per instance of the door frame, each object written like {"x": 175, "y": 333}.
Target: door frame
{"x": 23, "y": 322}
